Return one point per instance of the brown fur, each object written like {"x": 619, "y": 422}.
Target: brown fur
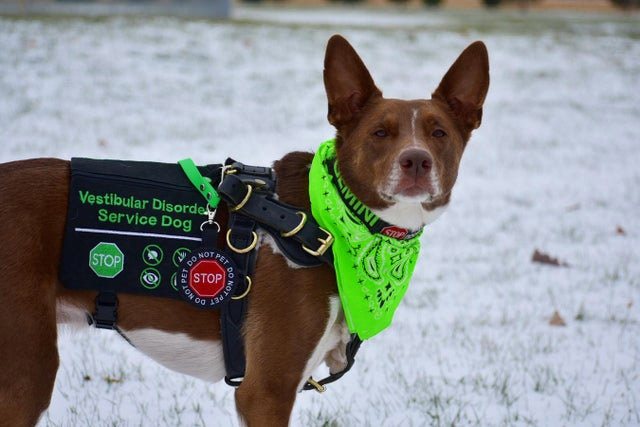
{"x": 288, "y": 308}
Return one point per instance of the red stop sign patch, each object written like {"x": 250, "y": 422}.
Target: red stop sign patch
{"x": 394, "y": 232}
{"x": 207, "y": 278}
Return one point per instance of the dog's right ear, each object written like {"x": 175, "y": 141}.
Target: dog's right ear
{"x": 347, "y": 81}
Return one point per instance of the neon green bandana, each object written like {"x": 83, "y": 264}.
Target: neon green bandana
{"x": 373, "y": 270}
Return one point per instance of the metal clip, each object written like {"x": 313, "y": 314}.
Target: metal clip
{"x": 211, "y": 214}
{"x": 319, "y": 387}
{"x": 226, "y": 170}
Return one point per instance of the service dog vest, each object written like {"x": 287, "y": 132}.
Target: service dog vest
{"x": 129, "y": 225}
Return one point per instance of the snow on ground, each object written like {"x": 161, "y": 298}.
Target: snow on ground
{"x": 554, "y": 167}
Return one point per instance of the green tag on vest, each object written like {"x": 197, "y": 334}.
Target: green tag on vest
{"x": 373, "y": 271}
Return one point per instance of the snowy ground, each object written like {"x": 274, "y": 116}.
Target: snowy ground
{"x": 553, "y": 167}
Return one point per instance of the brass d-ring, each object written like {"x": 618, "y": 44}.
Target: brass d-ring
{"x": 298, "y": 227}
{"x": 244, "y": 201}
{"x": 316, "y": 385}
{"x": 243, "y": 250}
{"x": 246, "y": 292}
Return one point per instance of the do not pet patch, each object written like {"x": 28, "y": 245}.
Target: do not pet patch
{"x": 206, "y": 278}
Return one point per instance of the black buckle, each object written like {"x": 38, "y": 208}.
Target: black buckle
{"x": 264, "y": 171}
{"x": 106, "y": 310}
{"x": 260, "y": 177}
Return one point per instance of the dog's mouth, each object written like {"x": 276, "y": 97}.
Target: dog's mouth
{"x": 411, "y": 190}
{"x": 419, "y": 190}
{"x": 411, "y": 193}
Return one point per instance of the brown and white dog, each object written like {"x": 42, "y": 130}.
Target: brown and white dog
{"x": 398, "y": 157}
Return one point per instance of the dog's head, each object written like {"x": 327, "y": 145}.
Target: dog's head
{"x": 401, "y": 157}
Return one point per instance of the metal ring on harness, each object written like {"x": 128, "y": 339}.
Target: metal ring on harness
{"x": 246, "y": 292}
{"x": 298, "y": 227}
{"x": 243, "y": 250}
{"x": 244, "y": 201}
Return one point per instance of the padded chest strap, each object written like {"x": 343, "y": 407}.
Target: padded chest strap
{"x": 296, "y": 233}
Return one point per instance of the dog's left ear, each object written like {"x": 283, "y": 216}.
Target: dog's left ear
{"x": 347, "y": 81}
{"x": 465, "y": 85}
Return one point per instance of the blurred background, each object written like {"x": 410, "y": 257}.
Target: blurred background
{"x": 223, "y": 8}
{"x": 524, "y": 308}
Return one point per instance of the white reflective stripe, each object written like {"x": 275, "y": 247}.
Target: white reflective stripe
{"x": 135, "y": 233}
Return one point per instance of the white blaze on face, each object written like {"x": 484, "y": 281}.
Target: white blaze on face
{"x": 414, "y": 136}
{"x": 433, "y": 174}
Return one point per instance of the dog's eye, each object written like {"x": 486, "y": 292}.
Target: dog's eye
{"x": 438, "y": 133}
{"x": 380, "y": 133}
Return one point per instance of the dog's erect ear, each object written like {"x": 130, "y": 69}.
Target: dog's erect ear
{"x": 347, "y": 81}
{"x": 465, "y": 85}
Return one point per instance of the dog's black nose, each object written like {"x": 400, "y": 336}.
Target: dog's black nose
{"x": 415, "y": 162}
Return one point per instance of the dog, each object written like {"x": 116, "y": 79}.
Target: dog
{"x": 399, "y": 157}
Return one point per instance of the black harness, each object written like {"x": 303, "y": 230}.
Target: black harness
{"x": 249, "y": 193}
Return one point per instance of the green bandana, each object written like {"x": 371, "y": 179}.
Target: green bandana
{"x": 372, "y": 270}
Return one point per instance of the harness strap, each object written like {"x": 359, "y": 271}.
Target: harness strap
{"x": 260, "y": 176}
{"x": 106, "y": 313}
{"x": 278, "y": 218}
{"x": 242, "y": 241}
{"x": 241, "y": 236}
{"x": 352, "y": 348}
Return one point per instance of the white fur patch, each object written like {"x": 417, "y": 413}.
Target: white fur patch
{"x": 329, "y": 340}
{"x": 409, "y": 215}
{"x": 69, "y": 314}
{"x": 336, "y": 358}
{"x": 181, "y": 353}
{"x": 414, "y": 136}
{"x": 268, "y": 240}
{"x": 175, "y": 350}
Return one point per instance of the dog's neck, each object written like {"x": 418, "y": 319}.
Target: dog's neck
{"x": 409, "y": 215}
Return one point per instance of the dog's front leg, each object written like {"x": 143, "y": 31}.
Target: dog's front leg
{"x": 288, "y": 316}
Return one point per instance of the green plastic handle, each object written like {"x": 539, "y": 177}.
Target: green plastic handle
{"x": 202, "y": 183}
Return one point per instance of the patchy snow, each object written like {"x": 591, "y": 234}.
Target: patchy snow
{"x": 553, "y": 167}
